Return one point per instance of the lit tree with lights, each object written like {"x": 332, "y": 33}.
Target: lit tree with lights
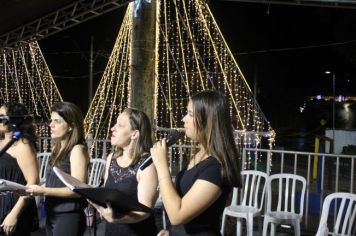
{"x": 189, "y": 55}
{"x": 25, "y": 78}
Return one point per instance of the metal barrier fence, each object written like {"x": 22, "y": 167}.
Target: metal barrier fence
{"x": 99, "y": 148}
{"x": 325, "y": 173}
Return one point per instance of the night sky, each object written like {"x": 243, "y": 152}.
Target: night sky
{"x": 286, "y": 49}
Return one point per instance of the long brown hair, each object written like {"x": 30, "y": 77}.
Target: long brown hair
{"x": 74, "y": 117}
{"x": 138, "y": 121}
{"x": 215, "y": 132}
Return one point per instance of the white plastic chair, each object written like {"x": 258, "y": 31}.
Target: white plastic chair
{"x": 253, "y": 193}
{"x": 159, "y": 205}
{"x": 96, "y": 171}
{"x": 284, "y": 212}
{"x": 42, "y": 159}
{"x": 345, "y": 224}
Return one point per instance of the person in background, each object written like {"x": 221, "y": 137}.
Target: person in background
{"x": 132, "y": 138}
{"x": 196, "y": 202}
{"x": 64, "y": 208}
{"x": 18, "y": 214}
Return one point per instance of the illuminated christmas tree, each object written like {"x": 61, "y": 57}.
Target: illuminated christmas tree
{"x": 25, "y": 78}
{"x": 191, "y": 55}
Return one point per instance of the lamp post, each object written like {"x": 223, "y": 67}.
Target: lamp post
{"x": 333, "y": 94}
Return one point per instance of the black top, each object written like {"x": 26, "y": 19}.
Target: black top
{"x": 208, "y": 222}
{"x": 120, "y": 202}
{"x": 124, "y": 179}
{"x": 59, "y": 204}
{"x": 10, "y": 170}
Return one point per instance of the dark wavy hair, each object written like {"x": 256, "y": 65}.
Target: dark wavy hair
{"x": 74, "y": 118}
{"x": 138, "y": 121}
{"x": 20, "y": 120}
{"x": 215, "y": 132}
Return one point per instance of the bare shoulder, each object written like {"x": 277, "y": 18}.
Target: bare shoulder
{"x": 109, "y": 157}
{"x": 79, "y": 147}
{"x": 79, "y": 150}
{"x": 148, "y": 173}
{"x": 23, "y": 148}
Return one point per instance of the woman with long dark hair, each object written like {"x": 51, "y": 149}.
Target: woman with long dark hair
{"x": 64, "y": 208}
{"x": 196, "y": 202}
{"x": 18, "y": 214}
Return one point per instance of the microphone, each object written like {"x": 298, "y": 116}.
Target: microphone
{"x": 172, "y": 138}
{"x": 16, "y": 135}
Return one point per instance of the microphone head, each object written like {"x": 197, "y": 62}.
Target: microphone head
{"x": 16, "y": 135}
{"x": 173, "y": 137}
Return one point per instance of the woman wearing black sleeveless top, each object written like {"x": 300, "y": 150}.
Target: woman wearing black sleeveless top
{"x": 131, "y": 137}
{"x": 18, "y": 214}
{"x": 195, "y": 205}
{"x": 64, "y": 208}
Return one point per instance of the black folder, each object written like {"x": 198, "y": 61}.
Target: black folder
{"x": 120, "y": 202}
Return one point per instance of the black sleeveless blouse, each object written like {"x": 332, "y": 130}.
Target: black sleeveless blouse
{"x": 10, "y": 170}
{"x": 124, "y": 180}
{"x": 59, "y": 204}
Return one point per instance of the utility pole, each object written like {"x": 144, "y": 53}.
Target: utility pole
{"x": 143, "y": 57}
{"x": 91, "y": 62}
{"x": 334, "y": 111}
{"x": 333, "y": 104}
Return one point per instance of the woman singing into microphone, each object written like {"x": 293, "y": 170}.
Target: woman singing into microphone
{"x": 18, "y": 214}
{"x": 196, "y": 202}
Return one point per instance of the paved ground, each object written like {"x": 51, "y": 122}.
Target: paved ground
{"x": 100, "y": 226}
{"x": 230, "y": 228}
{"x": 89, "y": 231}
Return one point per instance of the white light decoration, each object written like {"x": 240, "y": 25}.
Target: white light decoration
{"x": 191, "y": 55}
{"x": 26, "y": 78}
{"x": 112, "y": 95}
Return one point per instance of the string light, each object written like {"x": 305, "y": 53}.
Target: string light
{"x": 191, "y": 55}
{"x": 26, "y": 78}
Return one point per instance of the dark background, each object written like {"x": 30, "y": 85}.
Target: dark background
{"x": 285, "y": 50}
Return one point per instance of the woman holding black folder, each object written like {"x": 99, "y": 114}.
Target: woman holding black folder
{"x": 18, "y": 214}
{"x": 196, "y": 202}
{"x": 64, "y": 208}
{"x": 132, "y": 138}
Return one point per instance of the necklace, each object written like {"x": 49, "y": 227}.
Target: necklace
{"x": 200, "y": 156}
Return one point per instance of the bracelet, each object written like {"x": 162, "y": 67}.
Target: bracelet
{"x": 164, "y": 177}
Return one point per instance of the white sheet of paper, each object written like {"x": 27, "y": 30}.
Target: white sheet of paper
{"x": 6, "y": 185}
{"x": 69, "y": 180}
